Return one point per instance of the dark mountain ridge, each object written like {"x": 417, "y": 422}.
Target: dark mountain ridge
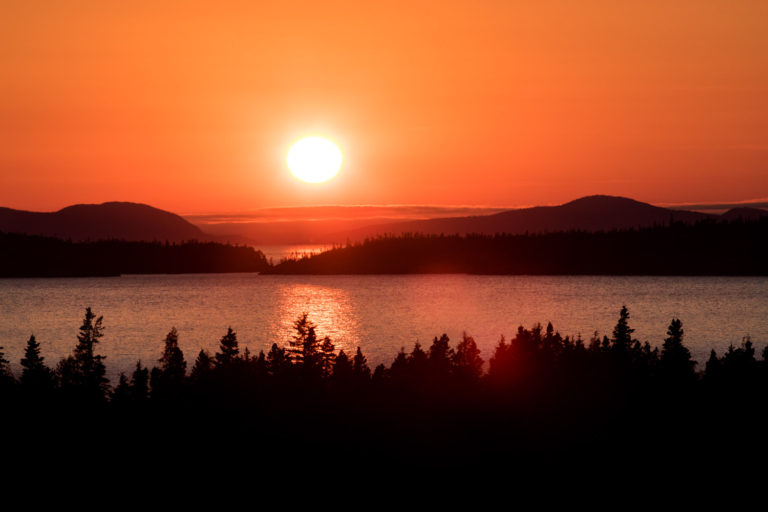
{"x": 112, "y": 220}
{"x": 591, "y": 213}
{"x": 140, "y": 222}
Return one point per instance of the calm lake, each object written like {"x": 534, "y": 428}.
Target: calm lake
{"x": 380, "y": 314}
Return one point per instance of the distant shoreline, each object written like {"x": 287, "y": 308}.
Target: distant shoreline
{"x": 705, "y": 248}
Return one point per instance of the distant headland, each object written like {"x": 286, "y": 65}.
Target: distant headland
{"x": 593, "y": 235}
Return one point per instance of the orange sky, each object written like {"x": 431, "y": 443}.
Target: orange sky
{"x": 192, "y": 106}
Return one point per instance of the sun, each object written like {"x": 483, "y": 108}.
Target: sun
{"x": 314, "y": 159}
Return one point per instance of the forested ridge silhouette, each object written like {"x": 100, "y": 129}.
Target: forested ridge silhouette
{"x": 38, "y": 256}
{"x": 539, "y": 394}
{"x": 708, "y": 247}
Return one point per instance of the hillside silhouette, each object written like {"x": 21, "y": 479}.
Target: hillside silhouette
{"x": 112, "y": 220}
{"x": 327, "y": 225}
{"x": 341, "y": 224}
{"x": 744, "y": 214}
{"x": 592, "y": 213}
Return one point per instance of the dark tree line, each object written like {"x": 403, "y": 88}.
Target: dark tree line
{"x": 539, "y": 392}
{"x": 705, "y": 248}
{"x": 38, "y": 256}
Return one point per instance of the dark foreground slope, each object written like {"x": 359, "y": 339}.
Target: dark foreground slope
{"x": 36, "y": 256}
{"x": 705, "y": 248}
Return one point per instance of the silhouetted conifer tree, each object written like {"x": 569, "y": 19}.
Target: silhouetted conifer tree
{"x": 327, "y": 355}
{"x": 167, "y": 380}
{"x": 675, "y": 364}
{"x": 499, "y": 366}
{"x": 122, "y": 392}
{"x": 82, "y": 374}
{"x": 228, "y": 350}
{"x": 713, "y": 369}
{"x": 202, "y": 367}
{"x": 379, "y": 374}
{"x": 440, "y": 357}
{"x": 418, "y": 362}
{"x": 467, "y": 363}
{"x": 595, "y": 344}
{"x": 342, "y": 371}
{"x": 260, "y": 364}
{"x": 552, "y": 341}
{"x": 36, "y": 378}
{"x": 278, "y": 361}
{"x": 172, "y": 362}
{"x": 622, "y": 334}
{"x": 360, "y": 367}
{"x": 304, "y": 347}
{"x": 140, "y": 383}
{"x": 739, "y": 365}
{"x": 398, "y": 370}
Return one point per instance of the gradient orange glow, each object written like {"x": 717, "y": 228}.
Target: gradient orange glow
{"x": 191, "y": 106}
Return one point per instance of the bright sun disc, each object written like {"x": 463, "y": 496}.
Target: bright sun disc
{"x": 314, "y": 159}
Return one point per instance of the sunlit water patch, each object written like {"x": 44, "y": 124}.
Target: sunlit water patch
{"x": 380, "y": 314}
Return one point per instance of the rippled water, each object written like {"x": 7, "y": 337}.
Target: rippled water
{"x": 378, "y": 313}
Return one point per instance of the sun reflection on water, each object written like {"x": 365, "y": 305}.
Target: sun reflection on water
{"x": 330, "y": 309}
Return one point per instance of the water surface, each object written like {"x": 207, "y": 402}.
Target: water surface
{"x": 381, "y": 314}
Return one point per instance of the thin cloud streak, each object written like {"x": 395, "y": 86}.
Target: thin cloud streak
{"x": 360, "y": 212}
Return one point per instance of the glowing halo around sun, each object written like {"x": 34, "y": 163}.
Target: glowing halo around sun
{"x": 314, "y": 159}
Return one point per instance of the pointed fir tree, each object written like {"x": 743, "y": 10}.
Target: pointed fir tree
{"x": 202, "y": 367}
{"x": 342, "y": 371}
{"x": 440, "y": 356}
{"x": 739, "y": 365}
{"x": 278, "y": 361}
{"x": 498, "y": 366}
{"x": 140, "y": 383}
{"x": 714, "y": 368}
{"x": 327, "y": 355}
{"x": 304, "y": 347}
{"x": 379, "y": 374}
{"x": 675, "y": 364}
{"x": 168, "y": 379}
{"x": 360, "y": 367}
{"x": 622, "y": 334}
{"x": 172, "y": 362}
{"x": 418, "y": 361}
{"x": 259, "y": 365}
{"x": 398, "y": 370}
{"x": 82, "y": 374}
{"x": 36, "y": 378}
{"x": 228, "y": 349}
{"x": 122, "y": 393}
{"x": 467, "y": 363}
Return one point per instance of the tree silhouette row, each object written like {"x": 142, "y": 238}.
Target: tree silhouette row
{"x": 551, "y": 392}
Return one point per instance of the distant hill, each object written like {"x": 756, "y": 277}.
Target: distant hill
{"x": 113, "y": 220}
{"x": 140, "y": 222}
{"x": 744, "y": 214}
{"x": 592, "y": 213}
